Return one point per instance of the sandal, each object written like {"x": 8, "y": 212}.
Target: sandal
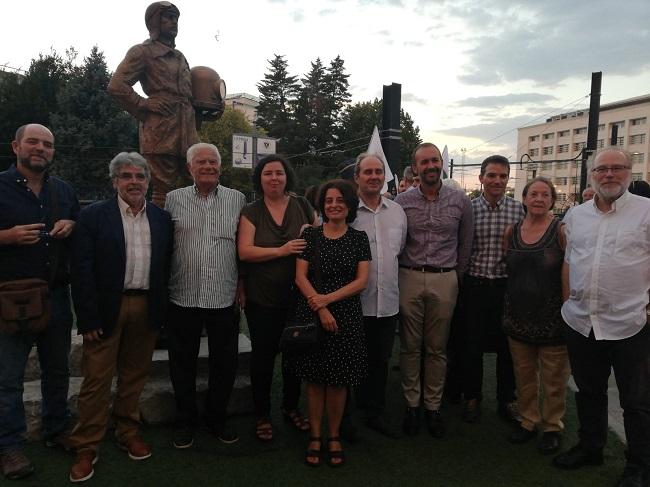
{"x": 294, "y": 416}
{"x": 336, "y": 457}
{"x": 311, "y": 453}
{"x": 264, "y": 429}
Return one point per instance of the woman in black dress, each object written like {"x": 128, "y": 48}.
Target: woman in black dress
{"x": 339, "y": 361}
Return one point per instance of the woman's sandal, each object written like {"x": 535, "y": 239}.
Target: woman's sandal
{"x": 300, "y": 422}
{"x": 336, "y": 457}
{"x": 311, "y": 453}
{"x": 264, "y": 429}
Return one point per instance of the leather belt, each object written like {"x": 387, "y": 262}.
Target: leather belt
{"x": 135, "y": 292}
{"x": 427, "y": 268}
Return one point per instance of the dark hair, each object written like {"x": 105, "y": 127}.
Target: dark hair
{"x": 640, "y": 188}
{"x": 495, "y": 159}
{"x": 422, "y": 146}
{"x": 257, "y": 172}
{"x": 349, "y": 196}
{"x": 547, "y": 182}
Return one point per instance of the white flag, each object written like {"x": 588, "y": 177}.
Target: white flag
{"x": 375, "y": 148}
{"x": 445, "y": 163}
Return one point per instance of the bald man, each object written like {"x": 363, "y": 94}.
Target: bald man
{"x": 34, "y": 229}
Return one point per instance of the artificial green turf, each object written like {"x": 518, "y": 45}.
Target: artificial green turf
{"x": 470, "y": 455}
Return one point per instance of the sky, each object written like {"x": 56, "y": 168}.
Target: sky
{"x": 472, "y": 71}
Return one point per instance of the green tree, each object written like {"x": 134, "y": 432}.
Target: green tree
{"x": 277, "y": 92}
{"x": 337, "y": 93}
{"x": 220, "y": 133}
{"x": 90, "y": 128}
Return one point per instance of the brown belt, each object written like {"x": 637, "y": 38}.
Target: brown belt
{"x": 427, "y": 268}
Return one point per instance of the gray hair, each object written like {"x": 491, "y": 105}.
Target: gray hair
{"x": 361, "y": 157}
{"x": 408, "y": 174}
{"x": 128, "y": 159}
{"x": 202, "y": 145}
{"x": 626, "y": 155}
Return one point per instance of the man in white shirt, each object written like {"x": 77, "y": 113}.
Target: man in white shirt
{"x": 385, "y": 223}
{"x": 606, "y": 281}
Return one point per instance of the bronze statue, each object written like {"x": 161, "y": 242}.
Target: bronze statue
{"x": 168, "y": 122}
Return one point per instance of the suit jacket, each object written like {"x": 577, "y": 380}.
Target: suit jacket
{"x": 99, "y": 263}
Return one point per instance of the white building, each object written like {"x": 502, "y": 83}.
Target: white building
{"x": 245, "y": 103}
{"x": 563, "y": 136}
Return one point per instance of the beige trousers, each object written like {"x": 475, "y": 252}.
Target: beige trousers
{"x": 426, "y": 304}
{"x": 129, "y": 350}
{"x": 548, "y": 365}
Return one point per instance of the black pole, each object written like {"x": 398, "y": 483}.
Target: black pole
{"x": 391, "y": 135}
{"x": 592, "y": 130}
{"x": 451, "y": 168}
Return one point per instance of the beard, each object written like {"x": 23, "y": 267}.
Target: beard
{"x": 611, "y": 192}
{"x": 37, "y": 168}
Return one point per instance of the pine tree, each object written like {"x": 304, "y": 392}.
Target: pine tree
{"x": 337, "y": 93}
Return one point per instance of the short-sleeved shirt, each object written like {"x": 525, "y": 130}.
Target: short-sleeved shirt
{"x": 20, "y": 206}
{"x": 269, "y": 283}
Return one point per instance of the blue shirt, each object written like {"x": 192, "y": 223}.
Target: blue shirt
{"x": 20, "y": 206}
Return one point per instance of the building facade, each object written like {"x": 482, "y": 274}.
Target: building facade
{"x": 245, "y": 103}
{"x": 555, "y": 146}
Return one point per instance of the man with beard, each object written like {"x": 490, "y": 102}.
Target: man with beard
{"x": 37, "y": 216}
{"x": 606, "y": 281}
{"x": 120, "y": 267}
{"x": 385, "y": 223}
{"x": 436, "y": 255}
{"x": 167, "y": 117}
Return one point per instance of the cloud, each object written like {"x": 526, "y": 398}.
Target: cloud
{"x": 499, "y": 101}
{"x": 551, "y": 41}
{"x": 410, "y": 97}
{"x": 384, "y": 33}
{"x": 327, "y": 11}
{"x": 413, "y": 44}
{"x": 298, "y": 15}
{"x": 394, "y": 3}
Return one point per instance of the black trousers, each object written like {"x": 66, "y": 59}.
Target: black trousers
{"x": 380, "y": 335}
{"x": 591, "y": 364}
{"x": 483, "y": 302}
{"x": 184, "y": 329}
{"x": 265, "y": 325}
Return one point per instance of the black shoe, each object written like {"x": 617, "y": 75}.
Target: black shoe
{"x": 224, "y": 434}
{"x": 577, "y": 457}
{"x": 376, "y": 423}
{"x": 434, "y": 424}
{"x": 632, "y": 477}
{"x": 521, "y": 435}
{"x": 411, "y": 424}
{"x": 471, "y": 411}
{"x": 348, "y": 431}
{"x": 183, "y": 437}
{"x": 550, "y": 442}
{"x": 509, "y": 412}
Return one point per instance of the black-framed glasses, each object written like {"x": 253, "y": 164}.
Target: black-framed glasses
{"x": 614, "y": 169}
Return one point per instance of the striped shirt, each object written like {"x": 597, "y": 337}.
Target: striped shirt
{"x": 204, "y": 263}
{"x": 137, "y": 240}
{"x": 488, "y": 258}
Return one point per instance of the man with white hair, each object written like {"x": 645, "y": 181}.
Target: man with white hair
{"x": 203, "y": 291}
{"x": 606, "y": 281}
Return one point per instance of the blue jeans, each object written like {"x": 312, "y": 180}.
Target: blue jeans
{"x": 53, "y": 346}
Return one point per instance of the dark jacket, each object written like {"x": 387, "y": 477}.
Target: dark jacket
{"x": 99, "y": 262}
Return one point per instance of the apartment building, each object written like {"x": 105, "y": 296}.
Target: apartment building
{"x": 245, "y": 103}
{"x": 555, "y": 145}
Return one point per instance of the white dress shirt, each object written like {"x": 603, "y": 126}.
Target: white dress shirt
{"x": 386, "y": 228}
{"x": 609, "y": 268}
{"x": 137, "y": 240}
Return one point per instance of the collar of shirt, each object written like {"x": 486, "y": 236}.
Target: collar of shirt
{"x": 20, "y": 177}
{"x": 618, "y": 203}
{"x": 158, "y": 49}
{"x": 126, "y": 210}
{"x": 381, "y": 205}
{"x": 443, "y": 189}
{"x": 488, "y": 205}
{"x": 198, "y": 193}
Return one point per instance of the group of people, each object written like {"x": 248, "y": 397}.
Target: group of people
{"x": 550, "y": 297}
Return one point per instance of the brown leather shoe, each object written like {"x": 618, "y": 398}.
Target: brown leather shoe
{"x": 15, "y": 465}
{"x": 136, "y": 448}
{"x": 82, "y": 469}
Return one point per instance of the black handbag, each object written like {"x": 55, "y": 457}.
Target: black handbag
{"x": 303, "y": 335}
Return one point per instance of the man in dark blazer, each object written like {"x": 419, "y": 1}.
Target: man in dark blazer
{"x": 120, "y": 266}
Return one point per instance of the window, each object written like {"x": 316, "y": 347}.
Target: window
{"x": 560, "y": 165}
{"x": 601, "y": 127}
{"x": 533, "y": 138}
{"x": 562, "y": 148}
{"x": 637, "y": 176}
{"x": 574, "y": 180}
{"x": 548, "y": 136}
{"x": 548, "y": 150}
{"x": 560, "y": 181}
{"x": 577, "y": 146}
{"x": 561, "y": 198}
{"x": 638, "y": 158}
{"x": 575, "y": 164}
{"x": 600, "y": 144}
{"x": 563, "y": 133}
{"x": 620, "y": 124}
{"x": 620, "y": 141}
{"x": 637, "y": 139}
{"x": 533, "y": 152}
{"x": 581, "y": 130}
{"x": 638, "y": 121}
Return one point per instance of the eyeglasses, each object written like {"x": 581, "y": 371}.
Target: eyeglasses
{"x": 127, "y": 176}
{"x": 614, "y": 169}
